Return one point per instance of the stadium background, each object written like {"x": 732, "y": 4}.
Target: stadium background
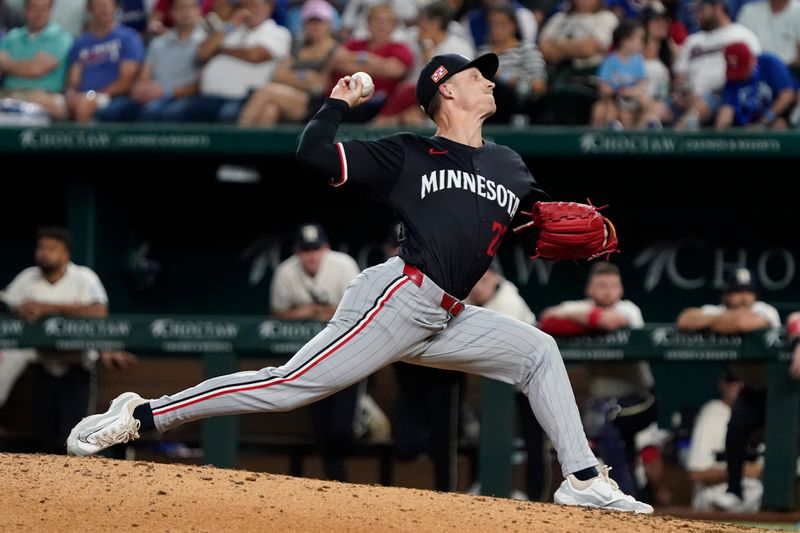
{"x": 211, "y": 244}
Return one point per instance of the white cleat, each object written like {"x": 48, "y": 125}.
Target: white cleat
{"x": 601, "y": 492}
{"x": 95, "y": 433}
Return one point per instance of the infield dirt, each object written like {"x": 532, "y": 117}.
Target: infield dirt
{"x": 57, "y": 493}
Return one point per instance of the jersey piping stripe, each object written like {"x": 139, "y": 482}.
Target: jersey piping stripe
{"x": 330, "y": 349}
{"x": 343, "y": 165}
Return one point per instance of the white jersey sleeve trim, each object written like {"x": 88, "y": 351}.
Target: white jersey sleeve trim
{"x": 343, "y": 162}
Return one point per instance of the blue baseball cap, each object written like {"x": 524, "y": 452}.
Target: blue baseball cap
{"x": 440, "y": 68}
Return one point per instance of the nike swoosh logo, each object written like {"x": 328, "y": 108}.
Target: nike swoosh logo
{"x": 437, "y": 152}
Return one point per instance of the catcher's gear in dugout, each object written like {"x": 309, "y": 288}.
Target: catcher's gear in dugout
{"x": 570, "y": 230}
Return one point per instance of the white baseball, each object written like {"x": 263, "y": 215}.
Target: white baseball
{"x": 366, "y": 82}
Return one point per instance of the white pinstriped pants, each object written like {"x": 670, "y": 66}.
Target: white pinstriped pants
{"x": 385, "y": 317}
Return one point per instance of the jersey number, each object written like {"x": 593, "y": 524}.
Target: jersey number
{"x": 499, "y": 230}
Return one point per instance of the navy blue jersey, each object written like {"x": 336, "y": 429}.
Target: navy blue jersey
{"x": 456, "y": 202}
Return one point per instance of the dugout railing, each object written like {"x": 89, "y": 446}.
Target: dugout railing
{"x": 221, "y": 340}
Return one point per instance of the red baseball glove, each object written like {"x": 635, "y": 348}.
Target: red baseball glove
{"x": 569, "y": 230}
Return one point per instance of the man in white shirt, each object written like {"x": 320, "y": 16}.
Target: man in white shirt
{"x": 776, "y": 23}
{"x": 308, "y": 286}
{"x": 56, "y": 286}
{"x": 239, "y": 56}
{"x": 740, "y": 313}
{"x": 699, "y": 69}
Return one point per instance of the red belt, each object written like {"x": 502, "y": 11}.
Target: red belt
{"x": 452, "y": 305}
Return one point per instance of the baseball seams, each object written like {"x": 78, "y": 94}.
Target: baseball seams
{"x": 366, "y": 83}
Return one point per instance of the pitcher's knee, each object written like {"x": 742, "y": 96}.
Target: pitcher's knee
{"x": 539, "y": 352}
{"x": 543, "y": 347}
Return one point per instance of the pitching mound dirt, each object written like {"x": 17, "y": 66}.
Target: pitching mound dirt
{"x": 56, "y": 493}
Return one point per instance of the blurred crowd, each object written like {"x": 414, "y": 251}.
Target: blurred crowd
{"x": 628, "y": 64}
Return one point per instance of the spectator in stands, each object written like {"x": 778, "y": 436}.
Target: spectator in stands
{"x": 104, "y": 63}
{"x": 658, "y": 51}
{"x": 435, "y": 36}
{"x": 740, "y": 313}
{"x": 576, "y": 41}
{"x": 699, "y": 70}
{"x": 356, "y": 14}
{"x": 776, "y": 24}
{"x": 294, "y": 18}
{"x": 432, "y": 36}
{"x": 624, "y": 100}
{"x": 33, "y": 60}
{"x": 309, "y": 286}
{"x": 386, "y": 60}
{"x": 170, "y": 72}
{"x": 439, "y": 33}
{"x": 241, "y": 55}
{"x": 521, "y": 78}
{"x": 622, "y": 393}
{"x": 477, "y": 21}
{"x": 302, "y": 79}
{"x": 760, "y": 92}
{"x": 495, "y": 292}
{"x": 64, "y": 379}
{"x": 706, "y": 459}
{"x": 160, "y": 20}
